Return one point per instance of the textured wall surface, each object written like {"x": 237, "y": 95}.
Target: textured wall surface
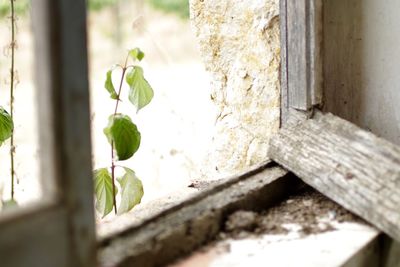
{"x": 361, "y": 70}
{"x": 239, "y": 43}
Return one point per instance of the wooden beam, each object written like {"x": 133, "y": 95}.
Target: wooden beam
{"x": 284, "y": 63}
{"x": 351, "y": 166}
{"x": 60, "y": 230}
{"x": 316, "y": 56}
{"x": 63, "y": 102}
{"x": 298, "y": 50}
{"x": 35, "y": 236}
{"x": 302, "y": 40}
{"x": 137, "y": 219}
{"x": 73, "y": 131}
{"x": 177, "y": 232}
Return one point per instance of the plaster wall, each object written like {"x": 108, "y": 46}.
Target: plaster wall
{"x": 240, "y": 46}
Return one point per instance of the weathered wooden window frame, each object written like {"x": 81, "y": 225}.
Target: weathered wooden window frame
{"x": 60, "y": 230}
{"x": 350, "y": 165}
{"x": 301, "y": 69}
{"x": 62, "y": 227}
{"x": 155, "y": 241}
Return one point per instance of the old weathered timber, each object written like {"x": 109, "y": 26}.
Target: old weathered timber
{"x": 302, "y": 61}
{"x": 351, "y": 166}
{"x": 60, "y": 230}
{"x": 63, "y": 105}
{"x": 178, "y": 231}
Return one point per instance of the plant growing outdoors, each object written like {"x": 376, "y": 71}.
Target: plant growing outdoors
{"x": 124, "y": 139}
{"x": 21, "y": 7}
{"x": 121, "y": 132}
{"x": 178, "y": 7}
{"x": 6, "y": 132}
{"x": 6, "y": 119}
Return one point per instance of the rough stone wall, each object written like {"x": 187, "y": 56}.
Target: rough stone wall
{"x": 239, "y": 43}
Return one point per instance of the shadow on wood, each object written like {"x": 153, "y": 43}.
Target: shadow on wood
{"x": 351, "y": 166}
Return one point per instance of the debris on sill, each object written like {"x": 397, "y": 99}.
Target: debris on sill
{"x": 201, "y": 185}
{"x": 304, "y": 226}
{"x": 308, "y": 212}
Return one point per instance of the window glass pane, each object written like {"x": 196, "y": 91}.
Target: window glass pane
{"x": 352, "y": 79}
{"x": 24, "y": 187}
{"x": 200, "y": 125}
{"x": 173, "y": 131}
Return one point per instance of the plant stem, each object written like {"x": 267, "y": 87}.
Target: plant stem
{"x": 12, "y": 148}
{"x": 112, "y": 143}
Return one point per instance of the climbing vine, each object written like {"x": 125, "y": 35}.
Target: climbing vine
{"x": 124, "y": 139}
{"x": 12, "y": 84}
{"x": 6, "y": 119}
{"x": 121, "y": 132}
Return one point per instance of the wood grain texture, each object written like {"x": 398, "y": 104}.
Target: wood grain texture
{"x": 115, "y": 230}
{"x": 304, "y": 53}
{"x": 284, "y": 68}
{"x": 60, "y": 230}
{"x": 73, "y": 131}
{"x": 316, "y": 56}
{"x": 351, "y": 166}
{"x": 298, "y": 51}
{"x": 177, "y": 232}
{"x": 63, "y": 102}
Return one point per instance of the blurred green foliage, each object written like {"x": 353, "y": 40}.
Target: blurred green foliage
{"x": 20, "y": 6}
{"x": 95, "y": 5}
{"x": 179, "y": 7}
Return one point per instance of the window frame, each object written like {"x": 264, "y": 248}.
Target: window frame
{"x": 302, "y": 96}
{"x": 62, "y": 226}
{"x": 60, "y": 229}
{"x": 301, "y": 54}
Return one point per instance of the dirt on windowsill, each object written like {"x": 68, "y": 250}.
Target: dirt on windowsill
{"x": 307, "y": 212}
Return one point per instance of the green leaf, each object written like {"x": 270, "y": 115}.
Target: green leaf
{"x": 140, "y": 93}
{"x": 103, "y": 191}
{"x": 125, "y": 135}
{"x": 6, "y": 125}
{"x": 131, "y": 191}
{"x": 136, "y": 54}
{"x": 109, "y": 85}
{"x": 9, "y": 204}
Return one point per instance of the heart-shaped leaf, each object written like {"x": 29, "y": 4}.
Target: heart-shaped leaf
{"x": 103, "y": 191}
{"x": 124, "y": 134}
{"x": 140, "y": 93}
{"x": 131, "y": 191}
{"x": 136, "y": 54}
{"x": 6, "y": 125}
{"x": 109, "y": 85}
